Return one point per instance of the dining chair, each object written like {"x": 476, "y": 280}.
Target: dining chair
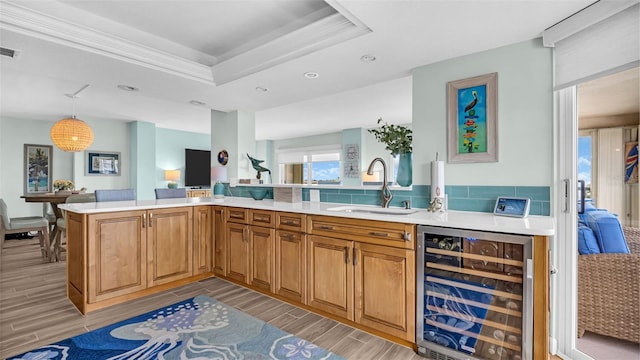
{"x": 115, "y": 195}
{"x": 165, "y": 193}
{"x": 47, "y": 212}
{"x": 25, "y": 224}
{"x": 62, "y": 222}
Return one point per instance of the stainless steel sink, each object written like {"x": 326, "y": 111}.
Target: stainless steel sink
{"x": 373, "y": 210}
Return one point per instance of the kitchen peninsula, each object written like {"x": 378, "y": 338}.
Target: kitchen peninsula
{"x": 345, "y": 262}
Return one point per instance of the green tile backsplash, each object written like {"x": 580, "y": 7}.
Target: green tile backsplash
{"x": 460, "y": 197}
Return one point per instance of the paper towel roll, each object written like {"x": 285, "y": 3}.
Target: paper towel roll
{"x": 437, "y": 180}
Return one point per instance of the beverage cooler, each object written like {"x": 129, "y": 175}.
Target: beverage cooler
{"x": 474, "y": 294}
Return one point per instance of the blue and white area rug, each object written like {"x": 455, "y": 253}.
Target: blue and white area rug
{"x": 199, "y": 328}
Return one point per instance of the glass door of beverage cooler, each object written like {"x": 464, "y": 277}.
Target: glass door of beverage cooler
{"x": 474, "y": 294}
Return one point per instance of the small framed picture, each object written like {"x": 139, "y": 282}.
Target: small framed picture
{"x": 37, "y": 168}
{"x": 102, "y": 163}
{"x": 473, "y": 119}
{"x": 223, "y": 157}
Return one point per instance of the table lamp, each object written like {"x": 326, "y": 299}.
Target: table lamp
{"x": 218, "y": 174}
{"x": 172, "y": 176}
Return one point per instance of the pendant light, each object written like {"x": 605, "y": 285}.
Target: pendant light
{"x": 71, "y": 134}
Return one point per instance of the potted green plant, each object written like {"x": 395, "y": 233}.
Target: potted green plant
{"x": 397, "y": 139}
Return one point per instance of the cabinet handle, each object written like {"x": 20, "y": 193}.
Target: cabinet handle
{"x": 144, "y": 220}
{"x": 355, "y": 259}
{"x": 289, "y": 222}
{"x": 406, "y": 236}
{"x": 287, "y": 236}
{"x": 325, "y": 227}
{"x": 150, "y": 219}
{"x": 346, "y": 254}
{"x": 378, "y": 234}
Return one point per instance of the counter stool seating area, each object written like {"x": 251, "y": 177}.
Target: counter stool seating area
{"x": 167, "y": 193}
{"x": 608, "y": 276}
{"x": 115, "y": 195}
{"x": 25, "y": 224}
{"x": 62, "y": 222}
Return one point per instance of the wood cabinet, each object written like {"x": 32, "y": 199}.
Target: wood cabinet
{"x": 291, "y": 259}
{"x": 330, "y": 285}
{"x": 250, "y": 241}
{"x": 118, "y": 256}
{"x": 170, "y": 245}
{"x": 202, "y": 239}
{"x": 366, "y": 281}
{"x": 133, "y": 250}
{"x": 219, "y": 256}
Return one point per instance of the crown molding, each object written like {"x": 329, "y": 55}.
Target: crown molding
{"x": 26, "y": 21}
{"x": 328, "y": 31}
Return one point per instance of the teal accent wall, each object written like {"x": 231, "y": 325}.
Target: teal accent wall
{"x": 170, "y": 152}
{"x": 525, "y": 116}
{"x": 143, "y": 159}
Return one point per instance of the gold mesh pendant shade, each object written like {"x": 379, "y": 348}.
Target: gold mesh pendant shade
{"x": 71, "y": 134}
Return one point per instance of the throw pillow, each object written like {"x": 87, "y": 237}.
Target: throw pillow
{"x": 608, "y": 231}
{"x": 587, "y": 243}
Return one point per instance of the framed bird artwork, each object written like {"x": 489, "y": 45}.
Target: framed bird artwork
{"x": 472, "y": 119}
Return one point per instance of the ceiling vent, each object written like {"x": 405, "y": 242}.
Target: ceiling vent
{"x": 10, "y": 53}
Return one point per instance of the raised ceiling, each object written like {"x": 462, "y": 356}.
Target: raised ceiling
{"x": 218, "y": 52}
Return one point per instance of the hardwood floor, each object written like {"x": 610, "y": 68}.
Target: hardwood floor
{"x": 34, "y": 310}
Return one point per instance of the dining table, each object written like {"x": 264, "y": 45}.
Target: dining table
{"x": 53, "y": 199}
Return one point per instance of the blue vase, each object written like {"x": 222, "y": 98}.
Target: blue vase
{"x": 405, "y": 172}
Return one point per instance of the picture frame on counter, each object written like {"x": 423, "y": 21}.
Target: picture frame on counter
{"x": 102, "y": 163}
{"x": 472, "y": 119}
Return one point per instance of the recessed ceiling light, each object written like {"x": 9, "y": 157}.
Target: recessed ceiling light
{"x": 128, "y": 88}
{"x": 261, "y": 89}
{"x": 367, "y": 58}
{"x": 311, "y": 75}
{"x": 197, "y": 103}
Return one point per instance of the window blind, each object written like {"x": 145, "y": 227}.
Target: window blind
{"x": 584, "y": 50}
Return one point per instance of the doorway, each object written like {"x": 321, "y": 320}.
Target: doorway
{"x": 608, "y": 123}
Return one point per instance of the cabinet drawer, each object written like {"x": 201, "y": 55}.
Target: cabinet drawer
{"x": 262, "y": 218}
{"x": 367, "y": 231}
{"x": 237, "y": 215}
{"x": 291, "y": 221}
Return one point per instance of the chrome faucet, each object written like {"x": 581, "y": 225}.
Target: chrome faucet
{"x": 386, "y": 194}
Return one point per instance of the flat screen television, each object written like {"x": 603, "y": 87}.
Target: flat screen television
{"x": 197, "y": 168}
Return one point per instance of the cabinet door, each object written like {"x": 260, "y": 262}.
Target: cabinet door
{"x": 262, "y": 249}
{"x": 385, "y": 289}
{"x": 117, "y": 256}
{"x": 237, "y": 251}
{"x": 202, "y": 239}
{"x": 170, "y": 249}
{"x": 219, "y": 242}
{"x": 291, "y": 265}
{"x": 330, "y": 283}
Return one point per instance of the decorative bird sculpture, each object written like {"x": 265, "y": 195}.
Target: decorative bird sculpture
{"x": 473, "y": 102}
{"x": 256, "y": 165}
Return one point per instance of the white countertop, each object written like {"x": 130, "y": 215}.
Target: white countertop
{"x": 531, "y": 225}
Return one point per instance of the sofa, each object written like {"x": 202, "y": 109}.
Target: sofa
{"x": 608, "y": 276}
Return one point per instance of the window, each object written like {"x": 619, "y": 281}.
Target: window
{"x": 585, "y": 161}
{"x": 320, "y": 166}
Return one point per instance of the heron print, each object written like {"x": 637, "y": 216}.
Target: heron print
{"x": 472, "y": 119}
